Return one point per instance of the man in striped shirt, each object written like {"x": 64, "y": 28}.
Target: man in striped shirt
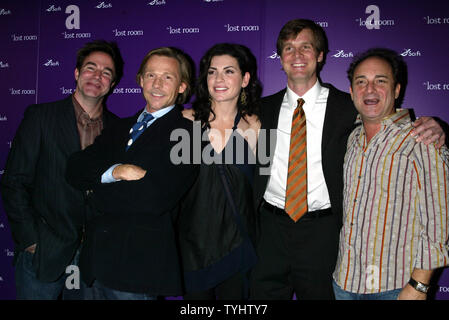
{"x": 395, "y": 227}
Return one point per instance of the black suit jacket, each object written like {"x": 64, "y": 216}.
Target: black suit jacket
{"x": 41, "y": 206}
{"x": 338, "y": 124}
{"x": 130, "y": 246}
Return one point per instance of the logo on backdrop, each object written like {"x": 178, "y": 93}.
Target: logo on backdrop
{"x": 4, "y": 65}
{"x": 5, "y": 12}
{"x": 122, "y": 90}
{"x": 436, "y": 20}
{"x": 51, "y": 63}
{"x": 274, "y": 56}
{"x": 66, "y": 91}
{"x": 156, "y": 3}
{"x": 182, "y": 30}
{"x": 127, "y": 33}
{"x": 53, "y": 8}
{"x": 3, "y": 118}
{"x": 431, "y": 86}
{"x": 103, "y": 5}
{"x": 343, "y": 54}
{"x": 238, "y": 28}
{"x": 444, "y": 289}
{"x": 23, "y": 37}
{"x": 373, "y": 21}
{"x": 9, "y": 253}
{"x": 410, "y": 53}
{"x": 322, "y": 24}
{"x": 15, "y": 92}
{"x": 213, "y": 0}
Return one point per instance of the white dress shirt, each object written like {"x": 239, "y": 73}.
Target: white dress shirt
{"x": 314, "y": 109}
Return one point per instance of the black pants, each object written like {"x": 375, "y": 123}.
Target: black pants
{"x": 294, "y": 257}
{"x": 234, "y": 288}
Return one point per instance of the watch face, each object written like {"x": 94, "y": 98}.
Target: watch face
{"x": 421, "y": 287}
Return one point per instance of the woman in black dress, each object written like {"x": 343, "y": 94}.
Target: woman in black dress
{"x": 217, "y": 224}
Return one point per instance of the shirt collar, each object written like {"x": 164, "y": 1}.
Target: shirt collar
{"x": 309, "y": 97}
{"x": 82, "y": 115}
{"x": 397, "y": 118}
{"x": 156, "y": 114}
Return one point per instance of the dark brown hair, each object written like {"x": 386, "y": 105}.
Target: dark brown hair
{"x": 292, "y": 28}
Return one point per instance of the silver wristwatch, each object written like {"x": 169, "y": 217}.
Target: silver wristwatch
{"x": 419, "y": 286}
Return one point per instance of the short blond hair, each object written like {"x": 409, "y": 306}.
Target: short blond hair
{"x": 185, "y": 69}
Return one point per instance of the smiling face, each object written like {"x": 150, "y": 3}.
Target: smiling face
{"x": 95, "y": 77}
{"x": 299, "y": 59}
{"x": 373, "y": 89}
{"x": 161, "y": 82}
{"x": 225, "y": 79}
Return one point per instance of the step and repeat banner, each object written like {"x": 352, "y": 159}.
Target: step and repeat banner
{"x": 39, "y": 40}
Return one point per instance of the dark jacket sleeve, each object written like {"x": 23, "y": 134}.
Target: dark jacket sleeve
{"x": 18, "y": 179}
{"x": 85, "y": 167}
{"x": 158, "y": 191}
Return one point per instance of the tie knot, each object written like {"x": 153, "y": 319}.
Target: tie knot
{"x": 147, "y": 117}
{"x": 300, "y": 102}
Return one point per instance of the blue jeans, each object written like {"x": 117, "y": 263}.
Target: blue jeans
{"x": 341, "y": 294}
{"x": 28, "y": 287}
{"x": 101, "y": 292}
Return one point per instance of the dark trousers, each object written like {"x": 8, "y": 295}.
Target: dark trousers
{"x": 29, "y": 287}
{"x": 101, "y": 292}
{"x": 234, "y": 288}
{"x": 294, "y": 257}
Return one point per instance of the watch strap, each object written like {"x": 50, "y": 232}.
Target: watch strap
{"x": 419, "y": 286}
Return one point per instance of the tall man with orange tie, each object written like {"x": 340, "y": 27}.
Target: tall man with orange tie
{"x": 298, "y": 192}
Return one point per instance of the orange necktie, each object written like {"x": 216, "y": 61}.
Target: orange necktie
{"x": 296, "y": 194}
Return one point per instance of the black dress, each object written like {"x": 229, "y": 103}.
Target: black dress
{"x": 217, "y": 220}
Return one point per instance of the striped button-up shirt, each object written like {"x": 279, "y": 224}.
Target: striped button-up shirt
{"x": 395, "y": 208}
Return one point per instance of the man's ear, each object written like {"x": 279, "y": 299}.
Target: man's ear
{"x": 182, "y": 87}
{"x": 141, "y": 81}
{"x": 397, "y": 90}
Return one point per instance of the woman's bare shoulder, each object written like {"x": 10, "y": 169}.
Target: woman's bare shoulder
{"x": 188, "y": 113}
{"x": 253, "y": 121}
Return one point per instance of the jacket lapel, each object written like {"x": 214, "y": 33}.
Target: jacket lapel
{"x": 146, "y": 137}
{"x": 67, "y": 132}
{"x": 269, "y": 117}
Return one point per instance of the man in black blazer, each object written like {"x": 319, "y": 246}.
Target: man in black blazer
{"x": 299, "y": 257}
{"x": 45, "y": 213}
{"x": 130, "y": 250}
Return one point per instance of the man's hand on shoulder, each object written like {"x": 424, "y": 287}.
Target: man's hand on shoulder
{"x": 428, "y": 130}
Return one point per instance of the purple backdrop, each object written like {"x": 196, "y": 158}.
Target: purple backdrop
{"x": 39, "y": 40}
